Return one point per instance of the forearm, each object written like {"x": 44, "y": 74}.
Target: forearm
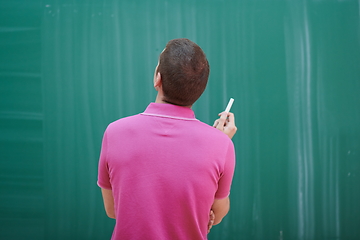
{"x": 108, "y": 202}
{"x": 220, "y": 208}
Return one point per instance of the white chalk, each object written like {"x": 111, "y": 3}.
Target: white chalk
{"x": 228, "y": 107}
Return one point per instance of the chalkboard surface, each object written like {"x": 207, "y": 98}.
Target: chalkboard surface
{"x": 69, "y": 68}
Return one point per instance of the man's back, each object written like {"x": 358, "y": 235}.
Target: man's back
{"x": 164, "y": 168}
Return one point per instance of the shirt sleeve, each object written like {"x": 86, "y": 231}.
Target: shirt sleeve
{"x": 103, "y": 170}
{"x": 226, "y": 178}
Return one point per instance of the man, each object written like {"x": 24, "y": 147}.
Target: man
{"x": 163, "y": 173}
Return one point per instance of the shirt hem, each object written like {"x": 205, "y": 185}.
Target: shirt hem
{"x": 102, "y": 186}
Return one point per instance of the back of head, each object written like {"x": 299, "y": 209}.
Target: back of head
{"x": 184, "y": 71}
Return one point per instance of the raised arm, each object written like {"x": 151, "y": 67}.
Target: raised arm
{"x": 220, "y": 207}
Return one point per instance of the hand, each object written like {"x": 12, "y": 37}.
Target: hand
{"x": 211, "y": 220}
{"x": 226, "y": 124}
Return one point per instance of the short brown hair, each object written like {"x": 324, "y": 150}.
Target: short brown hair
{"x": 184, "y": 71}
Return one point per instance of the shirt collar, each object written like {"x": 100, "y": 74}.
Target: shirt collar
{"x": 170, "y": 111}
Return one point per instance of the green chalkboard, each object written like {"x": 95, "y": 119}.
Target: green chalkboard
{"x": 69, "y": 68}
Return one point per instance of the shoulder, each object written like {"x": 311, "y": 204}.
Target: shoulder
{"x": 210, "y": 134}
{"x": 214, "y": 132}
{"x": 125, "y": 122}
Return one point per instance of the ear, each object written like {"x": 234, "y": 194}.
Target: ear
{"x": 157, "y": 81}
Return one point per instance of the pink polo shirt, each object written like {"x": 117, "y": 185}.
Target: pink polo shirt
{"x": 165, "y": 169}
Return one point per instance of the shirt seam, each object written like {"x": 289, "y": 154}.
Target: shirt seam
{"x": 167, "y": 116}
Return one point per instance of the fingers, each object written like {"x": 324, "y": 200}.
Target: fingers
{"x": 211, "y": 220}
{"x": 216, "y": 123}
{"x": 212, "y": 215}
{"x": 231, "y": 117}
{"x": 221, "y": 121}
{"x": 230, "y": 120}
{"x": 230, "y": 128}
{"x": 226, "y": 124}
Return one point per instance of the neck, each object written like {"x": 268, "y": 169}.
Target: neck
{"x": 160, "y": 99}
